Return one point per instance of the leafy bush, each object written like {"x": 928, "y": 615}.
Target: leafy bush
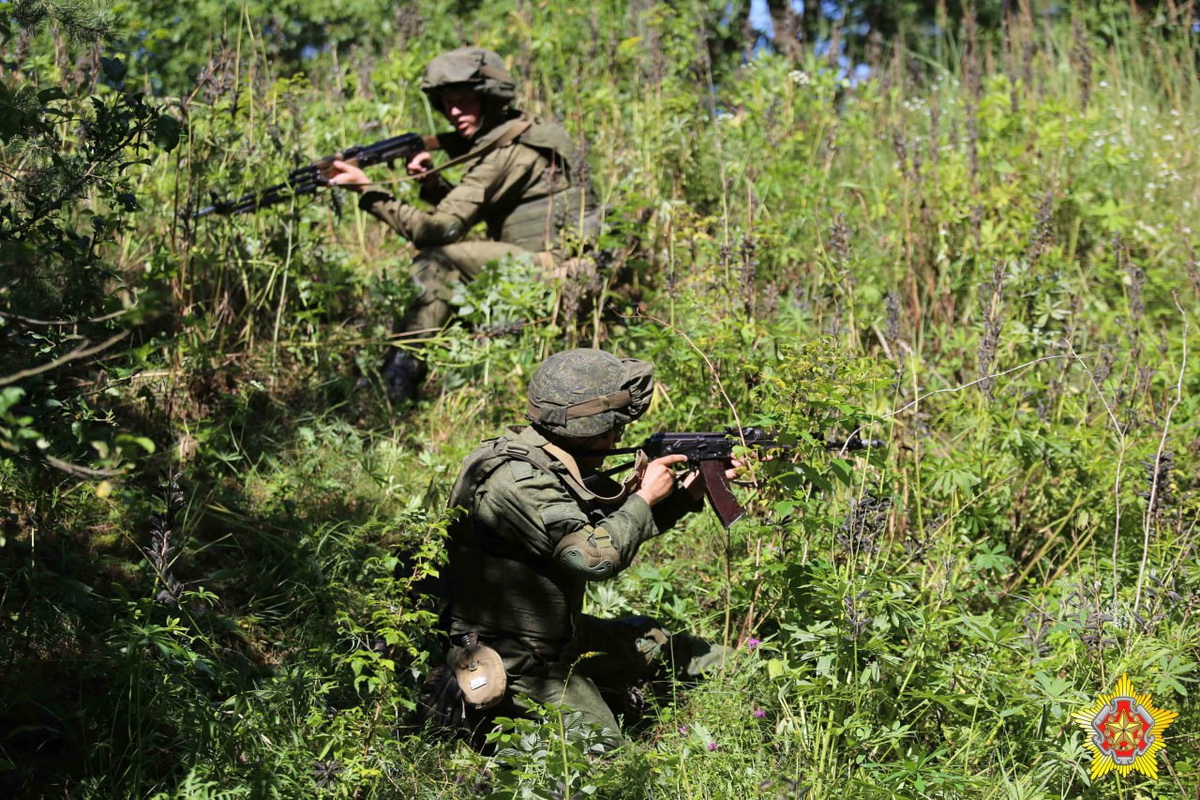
{"x": 216, "y": 543}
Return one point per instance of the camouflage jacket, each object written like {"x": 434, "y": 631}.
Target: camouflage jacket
{"x": 520, "y": 504}
{"x": 528, "y": 192}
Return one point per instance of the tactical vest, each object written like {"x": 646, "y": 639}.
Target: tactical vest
{"x": 559, "y": 201}
{"x": 496, "y": 587}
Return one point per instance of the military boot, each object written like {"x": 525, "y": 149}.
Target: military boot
{"x": 402, "y": 374}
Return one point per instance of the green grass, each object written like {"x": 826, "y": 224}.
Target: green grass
{"x": 987, "y": 256}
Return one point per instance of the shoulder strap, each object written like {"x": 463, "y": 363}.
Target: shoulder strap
{"x": 476, "y": 468}
{"x": 518, "y": 126}
{"x": 553, "y": 459}
{"x": 545, "y": 456}
{"x": 579, "y": 484}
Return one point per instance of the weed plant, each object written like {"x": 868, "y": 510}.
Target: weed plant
{"x": 216, "y": 544}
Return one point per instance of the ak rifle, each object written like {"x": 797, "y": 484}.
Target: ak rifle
{"x": 307, "y": 179}
{"x": 710, "y": 453}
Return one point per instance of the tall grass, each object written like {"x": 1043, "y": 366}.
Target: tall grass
{"x": 984, "y": 254}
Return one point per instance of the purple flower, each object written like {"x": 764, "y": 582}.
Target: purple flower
{"x": 752, "y": 643}
{"x": 759, "y": 713}
{"x": 683, "y": 730}
{"x": 712, "y": 746}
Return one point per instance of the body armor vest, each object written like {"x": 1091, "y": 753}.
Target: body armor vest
{"x": 560, "y": 201}
{"x": 495, "y": 586}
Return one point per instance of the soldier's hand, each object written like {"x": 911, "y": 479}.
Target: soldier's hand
{"x": 735, "y": 466}
{"x": 350, "y": 176}
{"x": 659, "y": 481}
{"x": 420, "y": 164}
{"x": 693, "y": 484}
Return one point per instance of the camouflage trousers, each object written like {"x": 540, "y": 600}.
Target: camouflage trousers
{"x": 600, "y": 667}
{"x": 437, "y": 269}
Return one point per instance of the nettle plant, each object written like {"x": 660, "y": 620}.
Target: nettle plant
{"x": 814, "y": 395}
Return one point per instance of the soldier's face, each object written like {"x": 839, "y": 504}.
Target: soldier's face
{"x": 464, "y": 109}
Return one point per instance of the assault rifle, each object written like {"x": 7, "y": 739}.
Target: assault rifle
{"x": 710, "y": 452}
{"x": 307, "y": 179}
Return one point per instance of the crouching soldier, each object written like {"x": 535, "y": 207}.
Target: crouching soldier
{"x": 539, "y": 524}
{"x": 524, "y": 180}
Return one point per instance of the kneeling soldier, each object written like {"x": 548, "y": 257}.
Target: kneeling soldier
{"x": 525, "y": 182}
{"x": 540, "y": 523}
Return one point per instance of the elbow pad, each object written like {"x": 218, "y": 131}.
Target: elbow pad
{"x": 439, "y": 228}
{"x": 588, "y": 552}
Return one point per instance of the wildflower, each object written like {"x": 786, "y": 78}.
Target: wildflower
{"x": 752, "y": 643}
{"x": 759, "y": 713}
{"x": 325, "y": 772}
{"x": 712, "y": 746}
{"x": 683, "y": 730}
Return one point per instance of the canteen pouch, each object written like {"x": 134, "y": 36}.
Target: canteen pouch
{"x": 479, "y": 671}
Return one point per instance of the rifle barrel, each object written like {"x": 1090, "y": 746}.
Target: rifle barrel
{"x": 307, "y": 179}
{"x": 718, "y": 444}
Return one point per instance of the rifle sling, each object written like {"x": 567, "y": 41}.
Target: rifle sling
{"x": 568, "y": 461}
{"x": 518, "y": 127}
{"x": 616, "y": 469}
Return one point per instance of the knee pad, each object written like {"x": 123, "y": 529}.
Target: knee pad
{"x": 433, "y": 271}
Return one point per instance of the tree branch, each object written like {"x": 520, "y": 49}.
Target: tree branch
{"x": 83, "y": 351}
{"x": 65, "y": 322}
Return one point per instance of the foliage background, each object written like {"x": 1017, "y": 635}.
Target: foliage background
{"x": 213, "y": 540}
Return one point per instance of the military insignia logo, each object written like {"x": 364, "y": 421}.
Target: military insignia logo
{"x": 1125, "y": 731}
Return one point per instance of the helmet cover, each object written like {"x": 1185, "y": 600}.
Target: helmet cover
{"x": 469, "y": 67}
{"x": 583, "y": 393}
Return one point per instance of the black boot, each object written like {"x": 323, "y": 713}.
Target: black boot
{"x": 402, "y": 375}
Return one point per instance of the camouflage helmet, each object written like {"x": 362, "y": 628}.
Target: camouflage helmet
{"x": 583, "y": 393}
{"x": 470, "y": 67}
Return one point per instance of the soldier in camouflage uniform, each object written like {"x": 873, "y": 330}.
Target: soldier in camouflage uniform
{"x": 523, "y": 181}
{"x": 541, "y": 523}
